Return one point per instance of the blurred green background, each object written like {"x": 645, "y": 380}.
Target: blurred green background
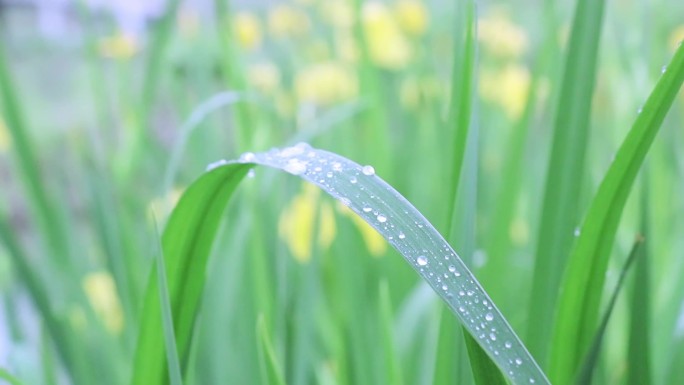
{"x": 120, "y": 106}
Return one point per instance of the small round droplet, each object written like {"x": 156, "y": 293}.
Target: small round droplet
{"x": 445, "y": 287}
{"x": 422, "y": 260}
{"x": 246, "y": 157}
{"x": 531, "y": 380}
{"x": 641, "y": 109}
{"x": 492, "y": 336}
{"x": 381, "y": 218}
{"x": 353, "y": 180}
{"x": 508, "y": 344}
{"x": 402, "y": 235}
{"x": 489, "y": 317}
{"x": 329, "y": 174}
{"x": 518, "y": 361}
{"x": 577, "y": 231}
{"x": 337, "y": 166}
{"x": 368, "y": 170}
{"x": 452, "y": 268}
{"x": 663, "y": 69}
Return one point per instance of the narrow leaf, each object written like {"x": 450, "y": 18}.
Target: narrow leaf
{"x": 192, "y": 227}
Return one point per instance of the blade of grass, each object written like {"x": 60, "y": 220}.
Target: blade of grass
{"x": 394, "y": 374}
{"x": 192, "y": 227}
{"x": 11, "y": 380}
{"x": 559, "y": 215}
{"x": 186, "y": 243}
{"x": 270, "y": 369}
{"x": 577, "y": 315}
{"x": 174, "y": 373}
{"x": 639, "y": 351}
{"x": 592, "y": 357}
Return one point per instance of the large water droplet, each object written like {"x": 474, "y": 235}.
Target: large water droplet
{"x": 422, "y": 260}
{"x": 337, "y": 166}
{"x": 246, "y": 157}
{"x": 368, "y": 170}
{"x": 367, "y": 209}
{"x": 402, "y": 235}
{"x": 452, "y": 268}
{"x": 295, "y": 166}
{"x": 381, "y": 218}
{"x": 508, "y": 344}
{"x": 489, "y": 316}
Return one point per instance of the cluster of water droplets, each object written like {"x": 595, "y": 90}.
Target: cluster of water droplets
{"x": 359, "y": 188}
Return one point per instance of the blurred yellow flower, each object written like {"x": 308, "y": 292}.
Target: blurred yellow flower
{"x": 317, "y": 50}
{"x": 415, "y": 92}
{"x": 508, "y": 87}
{"x": 284, "y": 104}
{"x": 118, "y": 46}
{"x": 326, "y": 83}
{"x": 500, "y": 36}
{"x": 519, "y": 232}
{"x": 375, "y": 243}
{"x": 287, "y": 21}
{"x": 296, "y": 224}
{"x": 387, "y": 47}
{"x": 338, "y": 13}
{"x": 676, "y": 37}
{"x": 101, "y": 291}
{"x": 247, "y": 30}
{"x": 5, "y": 139}
{"x": 412, "y": 16}
{"x": 346, "y": 48}
{"x": 264, "y": 77}
{"x": 160, "y": 208}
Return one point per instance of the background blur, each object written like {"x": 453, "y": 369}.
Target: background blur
{"x": 124, "y": 103}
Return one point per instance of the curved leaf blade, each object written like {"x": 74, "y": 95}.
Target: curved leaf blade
{"x": 193, "y": 224}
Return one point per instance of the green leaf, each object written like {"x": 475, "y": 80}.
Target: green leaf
{"x": 559, "y": 215}
{"x": 592, "y": 357}
{"x": 271, "y": 372}
{"x": 186, "y": 244}
{"x": 193, "y": 225}
{"x": 577, "y": 314}
{"x": 11, "y": 380}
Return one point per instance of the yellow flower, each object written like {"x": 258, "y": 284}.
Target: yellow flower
{"x": 5, "y": 139}
{"x": 676, "y": 37}
{"x": 346, "y": 48}
{"x": 247, "y": 30}
{"x": 326, "y": 83}
{"x": 500, "y": 36}
{"x": 118, "y": 46}
{"x": 160, "y": 208}
{"x": 412, "y": 16}
{"x": 508, "y": 88}
{"x": 296, "y": 225}
{"x": 288, "y": 21}
{"x": 339, "y": 13}
{"x": 375, "y": 243}
{"x": 264, "y": 76}
{"x": 101, "y": 292}
{"x": 387, "y": 47}
{"x": 415, "y": 92}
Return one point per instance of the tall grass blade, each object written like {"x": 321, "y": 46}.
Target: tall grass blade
{"x": 565, "y": 172}
{"x": 10, "y": 379}
{"x": 639, "y": 350}
{"x": 592, "y": 357}
{"x": 192, "y": 227}
{"x": 577, "y": 314}
{"x": 175, "y": 377}
{"x": 270, "y": 369}
{"x": 186, "y": 244}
